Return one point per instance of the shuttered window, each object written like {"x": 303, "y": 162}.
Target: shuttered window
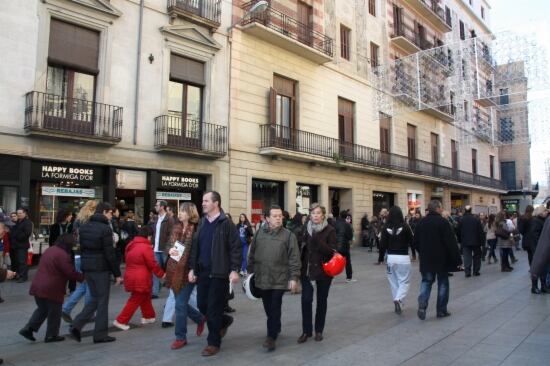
{"x": 454, "y": 155}
{"x": 73, "y": 46}
{"x": 435, "y": 147}
{"x": 372, "y": 7}
{"x": 184, "y": 69}
{"x": 282, "y": 104}
{"x": 345, "y": 42}
{"x": 491, "y": 166}
{"x": 411, "y": 141}
{"x": 474, "y": 161}
{"x": 374, "y": 56}
{"x": 385, "y": 133}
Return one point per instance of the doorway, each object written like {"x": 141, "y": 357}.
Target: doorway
{"x": 340, "y": 199}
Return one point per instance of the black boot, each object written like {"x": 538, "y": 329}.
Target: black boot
{"x": 543, "y": 288}
{"x": 534, "y": 288}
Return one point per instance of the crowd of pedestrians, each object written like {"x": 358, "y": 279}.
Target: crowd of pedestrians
{"x": 201, "y": 259}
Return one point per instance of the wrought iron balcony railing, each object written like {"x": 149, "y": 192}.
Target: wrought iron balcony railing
{"x": 55, "y": 114}
{"x": 276, "y": 136}
{"x": 201, "y": 138}
{"x": 208, "y": 11}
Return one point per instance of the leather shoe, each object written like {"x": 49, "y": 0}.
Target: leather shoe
{"x": 178, "y": 343}
{"x": 477, "y": 274}
{"x": 468, "y": 275}
{"x": 443, "y": 314}
{"x": 107, "y": 339}
{"x": 54, "y": 339}
{"x": 76, "y": 334}
{"x": 269, "y": 344}
{"x": 223, "y": 331}
{"x": 318, "y": 337}
{"x": 27, "y": 333}
{"x": 210, "y": 351}
{"x": 303, "y": 338}
{"x": 421, "y": 313}
{"x": 535, "y": 290}
{"x": 167, "y": 324}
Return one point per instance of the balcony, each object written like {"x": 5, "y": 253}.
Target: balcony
{"x": 485, "y": 96}
{"x": 72, "y": 119}
{"x": 202, "y": 12}
{"x": 300, "y": 145}
{"x": 283, "y": 31}
{"x": 406, "y": 39}
{"x": 194, "y": 138}
{"x": 434, "y": 13}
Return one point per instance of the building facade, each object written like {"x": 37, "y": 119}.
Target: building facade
{"x": 113, "y": 101}
{"x": 304, "y": 122}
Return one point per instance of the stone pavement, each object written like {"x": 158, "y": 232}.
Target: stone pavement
{"x": 495, "y": 321}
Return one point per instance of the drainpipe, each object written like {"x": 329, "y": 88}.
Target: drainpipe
{"x": 138, "y": 69}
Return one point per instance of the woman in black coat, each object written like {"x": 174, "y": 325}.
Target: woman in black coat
{"x": 318, "y": 247}
{"x": 530, "y": 245}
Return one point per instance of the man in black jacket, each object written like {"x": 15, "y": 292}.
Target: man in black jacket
{"x": 439, "y": 254}
{"x": 98, "y": 262}
{"x": 471, "y": 237}
{"x": 216, "y": 256}
{"x": 20, "y": 241}
{"x": 344, "y": 236}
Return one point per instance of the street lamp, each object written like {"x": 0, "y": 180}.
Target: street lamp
{"x": 259, "y": 7}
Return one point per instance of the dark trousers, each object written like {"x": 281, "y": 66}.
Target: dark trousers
{"x": 273, "y": 301}
{"x": 323, "y": 287}
{"x": 472, "y": 254}
{"x": 13, "y": 259}
{"x": 211, "y": 295}
{"x": 492, "y": 246}
{"x": 22, "y": 268}
{"x": 345, "y": 251}
{"x": 504, "y": 255}
{"x": 46, "y": 309}
{"x": 99, "y": 284}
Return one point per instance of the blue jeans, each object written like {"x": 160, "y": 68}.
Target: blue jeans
{"x": 81, "y": 290}
{"x": 169, "y": 308}
{"x": 244, "y": 263}
{"x": 184, "y": 310}
{"x": 161, "y": 259}
{"x": 428, "y": 278}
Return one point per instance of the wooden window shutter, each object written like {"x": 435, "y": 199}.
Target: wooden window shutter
{"x": 185, "y": 69}
{"x": 73, "y": 46}
{"x": 345, "y": 109}
{"x": 272, "y": 106}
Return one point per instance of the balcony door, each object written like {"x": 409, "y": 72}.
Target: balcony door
{"x": 411, "y": 146}
{"x": 385, "y": 139}
{"x": 345, "y": 128}
{"x": 185, "y": 100}
{"x": 305, "y": 23}
{"x": 282, "y": 105}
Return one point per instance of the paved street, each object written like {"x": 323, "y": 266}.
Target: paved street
{"x": 495, "y": 321}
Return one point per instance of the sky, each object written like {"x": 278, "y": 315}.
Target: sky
{"x": 532, "y": 17}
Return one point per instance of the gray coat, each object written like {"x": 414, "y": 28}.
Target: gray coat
{"x": 541, "y": 258}
{"x": 274, "y": 258}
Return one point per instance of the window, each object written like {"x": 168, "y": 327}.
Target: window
{"x": 282, "y": 105}
{"x": 398, "y": 25}
{"x": 385, "y": 130}
{"x": 345, "y": 126}
{"x": 345, "y": 42}
{"x": 454, "y": 155}
{"x": 462, "y": 30}
{"x": 491, "y": 166}
{"x": 466, "y": 111}
{"x": 435, "y": 148}
{"x": 508, "y": 174}
{"x": 452, "y": 99}
{"x": 411, "y": 142}
{"x": 474, "y": 161}
{"x": 473, "y": 34}
{"x": 448, "y": 18}
{"x": 506, "y": 129}
{"x": 305, "y": 20}
{"x": 185, "y": 97}
{"x": 482, "y": 12}
{"x": 374, "y": 55}
{"x": 504, "y": 97}
{"x": 471, "y": 2}
{"x": 372, "y": 7}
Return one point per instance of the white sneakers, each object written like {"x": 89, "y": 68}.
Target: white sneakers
{"x": 147, "y": 320}
{"x": 121, "y": 326}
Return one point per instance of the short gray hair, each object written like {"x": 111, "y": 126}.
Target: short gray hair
{"x": 434, "y": 205}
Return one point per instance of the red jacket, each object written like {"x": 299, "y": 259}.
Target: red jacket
{"x": 54, "y": 270}
{"x": 140, "y": 265}
{"x": 6, "y": 240}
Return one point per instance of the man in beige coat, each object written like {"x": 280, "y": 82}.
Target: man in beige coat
{"x": 274, "y": 260}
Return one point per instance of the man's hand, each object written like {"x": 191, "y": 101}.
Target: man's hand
{"x": 234, "y": 277}
{"x": 11, "y": 275}
{"x": 118, "y": 281}
{"x": 192, "y": 278}
{"x": 293, "y": 286}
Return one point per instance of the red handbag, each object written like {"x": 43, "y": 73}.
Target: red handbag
{"x": 335, "y": 265}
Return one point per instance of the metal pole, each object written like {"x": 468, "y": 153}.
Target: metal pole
{"x": 419, "y": 93}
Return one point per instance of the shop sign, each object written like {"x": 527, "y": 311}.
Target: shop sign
{"x": 131, "y": 179}
{"x": 179, "y": 196}
{"x": 68, "y": 192}
{"x": 174, "y": 181}
{"x": 66, "y": 173}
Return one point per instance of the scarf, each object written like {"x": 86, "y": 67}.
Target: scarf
{"x": 316, "y": 228}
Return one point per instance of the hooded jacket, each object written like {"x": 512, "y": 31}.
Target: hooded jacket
{"x": 96, "y": 246}
{"x": 140, "y": 265}
{"x": 396, "y": 240}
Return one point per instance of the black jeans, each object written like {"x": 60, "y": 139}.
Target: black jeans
{"x": 472, "y": 254}
{"x": 492, "y": 246}
{"x": 46, "y": 309}
{"x": 273, "y": 301}
{"x": 211, "y": 295}
{"x": 13, "y": 260}
{"x": 99, "y": 284}
{"x": 22, "y": 268}
{"x": 504, "y": 254}
{"x": 323, "y": 287}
